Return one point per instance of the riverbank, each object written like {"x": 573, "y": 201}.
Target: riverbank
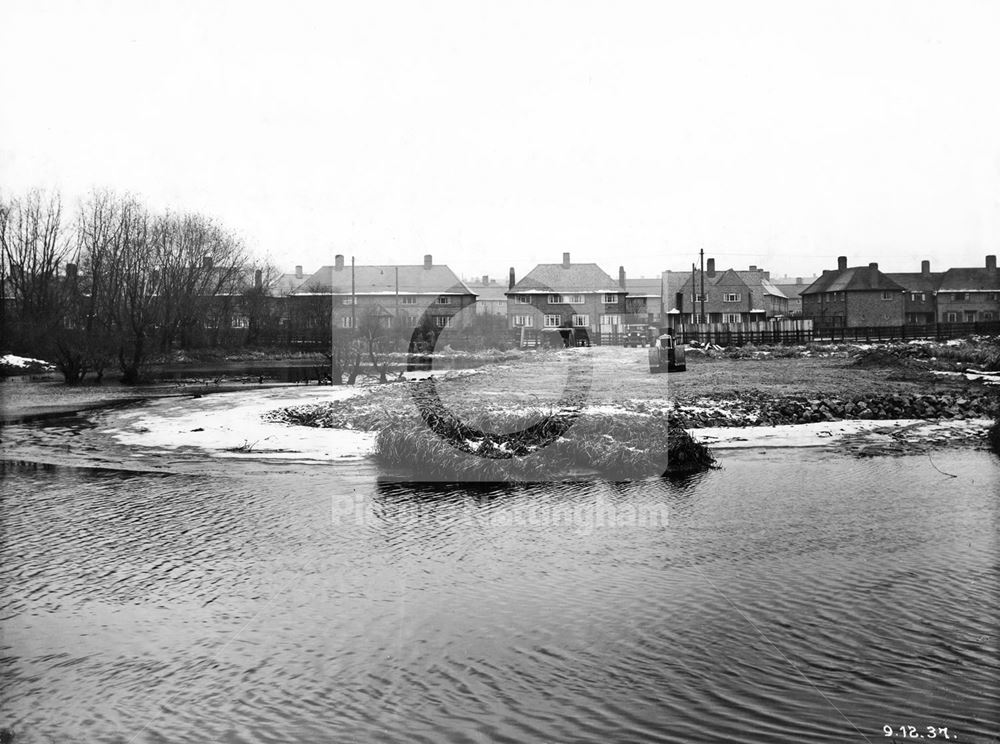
{"x": 751, "y": 395}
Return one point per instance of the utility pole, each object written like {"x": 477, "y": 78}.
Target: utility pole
{"x": 701, "y": 253}
{"x": 694, "y": 294}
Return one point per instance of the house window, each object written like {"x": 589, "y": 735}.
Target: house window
{"x": 443, "y": 300}
{"x": 611, "y": 320}
{"x": 610, "y": 299}
{"x": 886, "y": 295}
{"x": 970, "y": 316}
{"x": 573, "y": 299}
{"x": 553, "y": 321}
{"x": 730, "y": 317}
{"x": 581, "y": 320}
{"x": 240, "y": 321}
{"x": 443, "y": 321}
{"x": 522, "y": 299}
{"x": 731, "y": 297}
{"x": 408, "y": 300}
{"x": 347, "y": 301}
{"x": 522, "y": 321}
{"x": 959, "y": 297}
{"x": 347, "y": 322}
{"x": 699, "y": 297}
{"x": 987, "y": 315}
{"x": 917, "y": 297}
{"x": 951, "y": 317}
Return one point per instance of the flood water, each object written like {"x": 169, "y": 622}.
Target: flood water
{"x": 790, "y": 596}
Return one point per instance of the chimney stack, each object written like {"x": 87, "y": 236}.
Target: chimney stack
{"x": 298, "y": 272}
{"x": 873, "y": 265}
{"x": 338, "y": 262}
{"x": 71, "y": 271}
{"x": 621, "y": 277}
{"x": 428, "y": 260}
{"x": 710, "y": 268}
{"x": 510, "y": 280}
{"x": 991, "y": 263}
{"x": 925, "y": 268}
{"x": 565, "y": 260}
{"x": 841, "y": 263}
{"x": 752, "y": 267}
{"x": 206, "y": 262}
{"x": 486, "y": 279}
{"x": 798, "y": 280}
{"x": 680, "y": 302}
{"x": 258, "y": 279}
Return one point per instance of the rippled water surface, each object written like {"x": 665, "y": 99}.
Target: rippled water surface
{"x": 790, "y": 596}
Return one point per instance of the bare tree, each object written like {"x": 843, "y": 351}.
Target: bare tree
{"x": 33, "y": 245}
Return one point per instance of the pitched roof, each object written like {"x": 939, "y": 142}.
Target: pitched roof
{"x": 285, "y": 283}
{"x": 643, "y": 287}
{"x": 856, "y": 279}
{"x": 492, "y": 292}
{"x": 382, "y": 280}
{"x": 969, "y": 280}
{"x": 579, "y": 277}
{"x": 915, "y": 281}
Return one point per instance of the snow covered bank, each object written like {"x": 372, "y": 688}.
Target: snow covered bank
{"x": 825, "y": 434}
{"x": 231, "y": 425}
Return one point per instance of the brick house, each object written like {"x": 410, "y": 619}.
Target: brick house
{"x": 491, "y": 296}
{"x": 920, "y": 297}
{"x": 395, "y": 296}
{"x": 969, "y": 295}
{"x": 644, "y": 302}
{"x": 731, "y": 296}
{"x": 792, "y": 288}
{"x": 566, "y": 294}
{"x": 855, "y": 297}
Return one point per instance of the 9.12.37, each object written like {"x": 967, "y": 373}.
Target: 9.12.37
{"x": 912, "y": 732}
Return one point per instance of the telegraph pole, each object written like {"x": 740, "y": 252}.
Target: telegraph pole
{"x": 701, "y": 253}
{"x": 354, "y": 301}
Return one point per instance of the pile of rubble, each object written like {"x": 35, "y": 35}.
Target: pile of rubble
{"x": 751, "y": 412}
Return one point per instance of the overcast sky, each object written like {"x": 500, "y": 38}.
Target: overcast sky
{"x": 500, "y": 133}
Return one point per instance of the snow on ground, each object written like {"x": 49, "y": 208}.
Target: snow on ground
{"x": 223, "y": 422}
{"x": 12, "y": 360}
{"x": 988, "y": 378}
{"x": 822, "y": 434}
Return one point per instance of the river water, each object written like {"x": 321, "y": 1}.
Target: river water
{"x": 154, "y": 594}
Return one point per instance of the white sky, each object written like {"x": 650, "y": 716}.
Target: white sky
{"x": 500, "y": 133}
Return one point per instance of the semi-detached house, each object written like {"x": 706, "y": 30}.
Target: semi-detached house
{"x": 560, "y": 295}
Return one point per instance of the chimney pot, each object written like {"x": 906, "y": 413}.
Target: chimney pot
{"x": 298, "y": 272}
{"x": 798, "y": 280}
{"x": 565, "y": 260}
{"x": 710, "y": 267}
{"x": 991, "y": 263}
{"x": 841, "y": 263}
{"x": 873, "y": 265}
{"x": 752, "y": 267}
{"x": 428, "y": 260}
{"x": 486, "y": 279}
{"x": 510, "y": 280}
{"x": 338, "y": 262}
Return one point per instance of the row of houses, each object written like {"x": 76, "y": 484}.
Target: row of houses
{"x": 583, "y": 295}
{"x": 864, "y": 296}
